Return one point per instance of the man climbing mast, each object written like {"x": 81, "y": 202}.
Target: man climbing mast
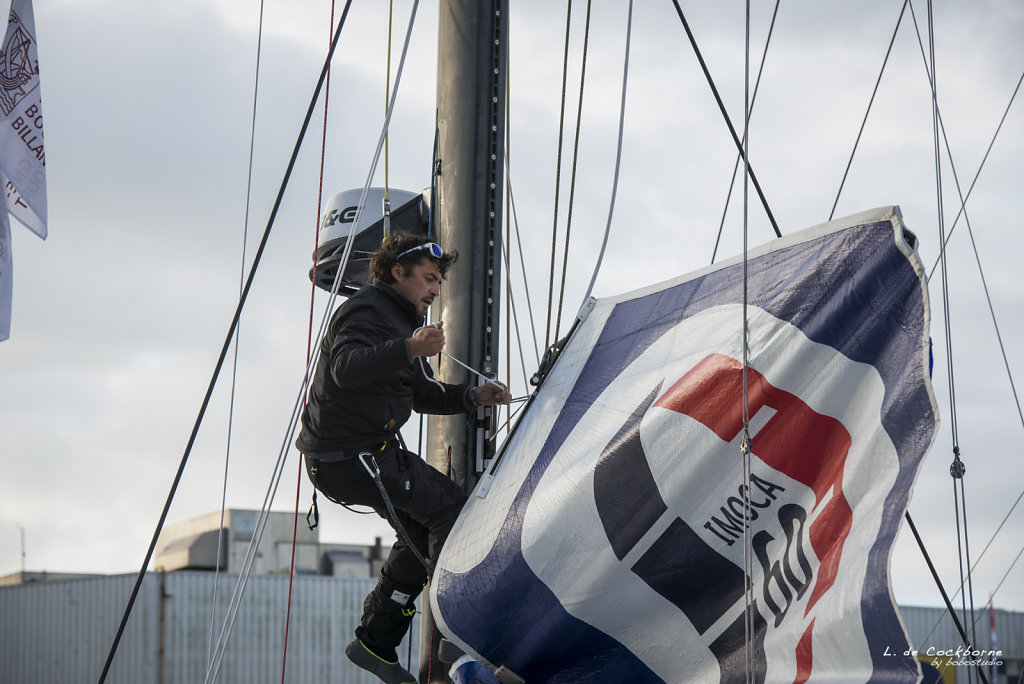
{"x": 371, "y": 374}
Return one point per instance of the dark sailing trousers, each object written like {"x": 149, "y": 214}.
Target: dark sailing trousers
{"x": 426, "y": 503}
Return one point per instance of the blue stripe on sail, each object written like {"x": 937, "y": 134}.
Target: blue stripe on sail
{"x": 538, "y": 640}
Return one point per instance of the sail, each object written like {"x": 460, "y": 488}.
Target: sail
{"x": 608, "y": 542}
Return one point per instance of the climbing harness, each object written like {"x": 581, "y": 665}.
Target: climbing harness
{"x": 366, "y": 459}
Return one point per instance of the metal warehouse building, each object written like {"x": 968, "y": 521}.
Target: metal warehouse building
{"x": 58, "y": 629}
{"x": 59, "y": 632}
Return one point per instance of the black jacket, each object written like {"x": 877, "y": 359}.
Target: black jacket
{"x": 366, "y": 384}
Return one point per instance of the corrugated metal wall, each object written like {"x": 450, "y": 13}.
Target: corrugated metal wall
{"x": 60, "y": 632}
{"x": 932, "y": 630}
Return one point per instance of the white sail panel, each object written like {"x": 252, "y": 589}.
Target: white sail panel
{"x": 610, "y": 544}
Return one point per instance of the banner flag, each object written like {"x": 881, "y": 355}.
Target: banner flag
{"x": 22, "y": 156}
{"x": 609, "y": 539}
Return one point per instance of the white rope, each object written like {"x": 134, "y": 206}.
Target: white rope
{"x": 426, "y": 375}
{"x": 240, "y": 585}
{"x": 472, "y": 370}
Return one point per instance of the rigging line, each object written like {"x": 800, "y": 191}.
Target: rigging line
{"x": 967, "y": 596}
{"x": 508, "y": 421}
{"x": 558, "y": 174}
{"x": 992, "y": 312}
{"x": 991, "y": 143}
{"x": 575, "y": 159}
{"x": 974, "y": 567}
{"x": 957, "y": 469}
{"x": 739, "y": 157}
{"x": 234, "y": 366}
{"x": 977, "y": 561}
{"x": 507, "y": 242}
{"x": 745, "y": 446}
{"x": 618, "y": 156}
{"x": 988, "y": 604}
{"x": 223, "y": 354}
{"x": 725, "y": 115}
{"x": 387, "y": 90}
{"x": 938, "y": 182}
{"x": 309, "y": 351}
{"x": 250, "y": 556}
{"x": 871, "y": 102}
{"x": 991, "y": 597}
{"x": 970, "y": 231}
{"x": 243, "y": 578}
{"x": 938, "y": 583}
{"x": 512, "y": 311}
{"x": 460, "y": 363}
{"x": 522, "y": 264}
{"x": 974, "y": 246}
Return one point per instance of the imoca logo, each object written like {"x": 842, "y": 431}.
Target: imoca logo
{"x": 686, "y": 551}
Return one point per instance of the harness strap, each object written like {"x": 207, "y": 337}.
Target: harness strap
{"x": 366, "y": 458}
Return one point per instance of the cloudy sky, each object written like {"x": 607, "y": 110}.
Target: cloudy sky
{"x": 119, "y": 316}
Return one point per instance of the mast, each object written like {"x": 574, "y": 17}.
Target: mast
{"x": 471, "y": 76}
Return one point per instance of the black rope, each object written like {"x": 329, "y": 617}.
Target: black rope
{"x": 224, "y": 349}
{"x": 871, "y": 102}
{"x": 558, "y": 175}
{"x": 725, "y": 114}
{"x": 572, "y": 181}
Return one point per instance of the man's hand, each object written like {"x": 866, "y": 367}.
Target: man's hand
{"x": 490, "y": 394}
{"x": 427, "y": 341}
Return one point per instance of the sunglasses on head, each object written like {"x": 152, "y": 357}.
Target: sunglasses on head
{"x": 432, "y": 247}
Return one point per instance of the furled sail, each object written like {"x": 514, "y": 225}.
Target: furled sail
{"x": 609, "y": 545}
